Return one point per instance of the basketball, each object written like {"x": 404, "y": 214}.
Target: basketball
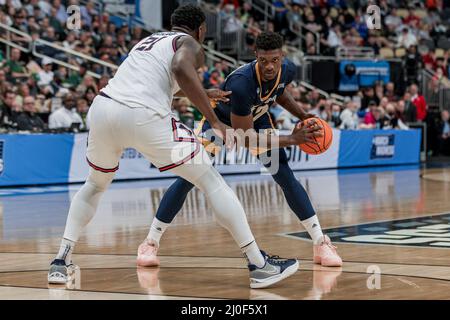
{"x": 324, "y": 142}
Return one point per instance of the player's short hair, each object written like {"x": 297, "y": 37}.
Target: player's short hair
{"x": 268, "y": 40}
{"x": 188, "y": 16}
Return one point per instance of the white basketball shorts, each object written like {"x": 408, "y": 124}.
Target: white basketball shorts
{"x": 163, "y": 140}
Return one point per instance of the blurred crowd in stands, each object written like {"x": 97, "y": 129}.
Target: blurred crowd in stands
{"x": 38, "y": 95}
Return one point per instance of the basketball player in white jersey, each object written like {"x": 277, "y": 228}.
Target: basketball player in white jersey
{"x": 134, "y": 111}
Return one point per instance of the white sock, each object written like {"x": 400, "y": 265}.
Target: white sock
{"x": 312, "y": 225}
{"x": 157, "y": 229}
{"x": 253, "y": 254}
{"x": 65, "y": 250}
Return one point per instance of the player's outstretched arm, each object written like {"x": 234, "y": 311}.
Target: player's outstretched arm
{"x": 288, "y": 102}
{"x": 188, "y": 58}
{"x": 247, "y": 135}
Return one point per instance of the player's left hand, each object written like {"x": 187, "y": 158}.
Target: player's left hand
{"x": 218, "y": 95}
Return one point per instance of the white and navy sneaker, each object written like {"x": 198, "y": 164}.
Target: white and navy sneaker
{"x": 274, "y": 270}
{"x": 59, "y": 272}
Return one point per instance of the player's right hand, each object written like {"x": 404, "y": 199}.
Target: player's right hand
{"x": 224, "y": 133}
{"x": 306, "y": 133}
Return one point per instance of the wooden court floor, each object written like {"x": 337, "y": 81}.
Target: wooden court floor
{"x": 391, "y": 227}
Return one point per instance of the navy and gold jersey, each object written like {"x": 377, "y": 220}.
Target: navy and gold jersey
{"x": 250, "y": 95}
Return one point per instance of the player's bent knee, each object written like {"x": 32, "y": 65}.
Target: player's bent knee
{"x": 211, "y": 181}
{"x": 99, "y": 180}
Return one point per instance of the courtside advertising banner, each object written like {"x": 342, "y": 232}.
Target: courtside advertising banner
{"x": 37, "y": 159}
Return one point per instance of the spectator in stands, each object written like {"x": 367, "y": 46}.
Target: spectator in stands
{"x": 313, "y": 97}
{"x": 294, "y": 18}
{"x": 87, "y": 12}
{"x": 9, "y": 110}
{"x": 335, "y": 118}
{"x": 389, "y": 92}
{"x": 71, "y": 41}
{"x": 379, "y": 93}
{"x": 46, "y": 75}
{"x": 203, "y": 75}
{"x": 75, "y": 77}
{"x": 90, "y": 94}
{"x": 88, "y": 82}
{"x": 121, "y": 46}
{"x": 33, "y": 25}
{"x": 61, "y": 12}
{"x": 412, "y": 62}
{"x": 369, "y": 118}
{"x": 320, "y": 109}
{"x": 391, "y": 117}
{"x": 246, "y": 12}
{"x": 419, "y": 101}
{"x": 102, "y": 82}
{"x": 65, "y": 117}
{"x": 82, "y": 109}
{"x": 280, "y": 20}
{"x": 412, "y": 19}
{"x": 406, "y": 39}
{"x": 215, "y": 79}
{"x": 400, "y": 115}
{"x": 349, "y": 116}
{"x": 20, "y": 21}
{"x": 252, "y": 31}
{"x": 286, "y": 120}
{"x": 56, "y": 23}
{"x": 4, "y": 85}
{"x": 410, "y": 110}
{"x": 232, "y": 23}
{"x": 16, "y": 71}
{"x": 384, "y": 102}
{"x": 22, "y": 92}
{"x": 334, "y": 39}
{"x": 381, "y": 120}
{"x": 444, "y": 133}
{"x": 393, "y": 21}
{"x": 220, "y": 67}
{"x": 369, "y": 97}
{"x": 28, "y": 120}
{"x": 441, "y": 64}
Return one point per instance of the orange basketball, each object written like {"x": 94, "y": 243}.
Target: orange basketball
{"x": 323, "y": 142}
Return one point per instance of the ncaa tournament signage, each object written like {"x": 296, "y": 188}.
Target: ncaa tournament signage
{"x": 378, "y": 147}
{"x": 366, "y": 73}
{"x": 383, "y": 146}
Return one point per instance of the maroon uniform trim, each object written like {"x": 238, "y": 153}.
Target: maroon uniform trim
{"x": 174, "y": 42}
{"x": 182, "y": 139}
{"x": 182, "y": 161}
{"x": 102, "y": 169}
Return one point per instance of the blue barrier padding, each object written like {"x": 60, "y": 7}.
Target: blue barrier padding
{"x": 35, "y": 158}
{"x": 379, "y": 147}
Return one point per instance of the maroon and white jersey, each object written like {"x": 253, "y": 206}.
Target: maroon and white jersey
{"x": 145, "y": 78}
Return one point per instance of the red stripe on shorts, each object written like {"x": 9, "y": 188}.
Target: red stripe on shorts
{"x": 182, "y": 161}
{"x": 102, "y": 169}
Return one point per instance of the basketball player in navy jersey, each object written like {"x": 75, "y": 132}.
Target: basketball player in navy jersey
{"x": 255, "y": 87}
